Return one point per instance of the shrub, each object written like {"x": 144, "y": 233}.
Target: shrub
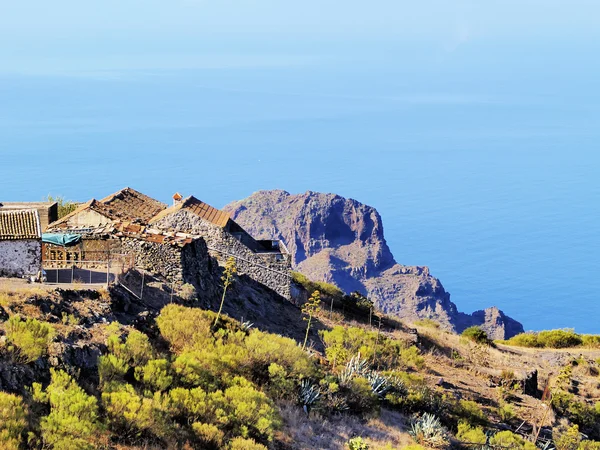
{"x": 477, "y": 335}
{"x": 506, "y": 412}
{"x": 357, "y": 443}
{"x": 130, "y": 414}
{"x": 156, "y": 374}
{"x": 566, "y": 438}
{"x": 559, "y": 339}
{"x": 185, "y": 328}
{"x": 470, "y": 434}
{"x": 427, "y": 430}
{"x": 240, "y": 443}
{"x": 111, "y": 368}
{"x": 265, "y": 349}
{"x": 342, "y": 343}
{"x": 589, "y": 445}
{"x": 13, "y": 421}
{"x": 249, "y": 412}
{"x": 73, "y": 419}
{"x": 280, "y": 383}
{"x": 471, "y": 411}
{"x": 188, "y": 293}
{"x": 30, "y": 337}
{"x": 427, "y": 323}
{"x": 208, "y": 434}
{"x": 136, "y": 350}
{"x": 311, "y": 286}
{"x": 511, "y": 440}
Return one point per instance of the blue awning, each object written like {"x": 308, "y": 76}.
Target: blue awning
{"x": 61, "y": 239}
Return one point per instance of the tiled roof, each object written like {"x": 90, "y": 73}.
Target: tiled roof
{"x": 93, "y": 205}
{"x": 197, "y": 207}
{"x": 131, "y": 205}
{"x": 20, "y": 224}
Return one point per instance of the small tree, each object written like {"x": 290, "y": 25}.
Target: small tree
{"x": 64, "y": 206}
{"x": 227, "y": 278}
{"x": 310, "y": 308}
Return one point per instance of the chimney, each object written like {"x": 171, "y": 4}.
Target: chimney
{"x": 177, "y": 198}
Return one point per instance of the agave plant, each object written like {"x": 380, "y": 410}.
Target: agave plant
{"x": 309, "y": 394}
{"x": 246, "y": 325}
{"x": 357, "y": 366}
{"x": 428, "y": 430}
{"x": 380, "y": 384}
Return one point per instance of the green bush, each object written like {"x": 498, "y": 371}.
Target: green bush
{"x": 327, "y": 289}
{"x": 357, "y": 443}
{"x": 470, "y": 434}
{"x": 477, "y": 335}
{"x": 565, "y": 338}
{"x": 249, "y": 412}
{"x": 30, "y": 338}
{"x": 427, "y": 323}
{"x": 589, "y": 445}
{"x": 240, "y": 443}
{"x": 508, "y": 439}
{"x": 130, "y": 414}
{"x": 111, "y": 368}
{"x": 136, "y": 350}
{"x": 471, "y": 412}
{"x": 342, "y": 343}
{"x": 73, "y": 419}
{"x": 13, "y": 421}
{"x": 156, "y": 374}
{"x": 566, "y": 438}
{"x": 208, "y": 434}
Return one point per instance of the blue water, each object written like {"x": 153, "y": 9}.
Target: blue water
{"x": 485, "y": 172}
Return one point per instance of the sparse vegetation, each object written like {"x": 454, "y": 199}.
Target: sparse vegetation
{"x": 29, "y": 338}
{"x": 477, "y": 335}
{"x": 566, "y": 338}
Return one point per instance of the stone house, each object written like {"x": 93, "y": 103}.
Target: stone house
{"x": 20, "y": 243}
{"x": 267, "y": 262}
{"x": 165, "y": 239}
{"x": 94, "y": 221}
{"x": 47, "y": 211}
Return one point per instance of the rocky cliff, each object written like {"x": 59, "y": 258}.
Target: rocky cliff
{"x": 341, "y": 241}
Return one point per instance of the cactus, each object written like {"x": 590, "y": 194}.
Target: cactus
{"x": 428, "y": 430}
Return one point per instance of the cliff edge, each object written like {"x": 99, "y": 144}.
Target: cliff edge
{"x": 341, "y": 241}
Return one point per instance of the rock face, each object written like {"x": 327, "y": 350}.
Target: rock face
{"x": 341, "y": 241}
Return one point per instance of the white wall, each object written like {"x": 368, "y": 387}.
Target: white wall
{"x": 18, "y": 258}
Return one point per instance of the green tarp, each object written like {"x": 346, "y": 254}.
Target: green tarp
{"x": 64, "y": 240}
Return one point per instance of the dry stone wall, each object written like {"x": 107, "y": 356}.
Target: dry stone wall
{"x": 269, "y": 269}
{"x": 21, "y": 257}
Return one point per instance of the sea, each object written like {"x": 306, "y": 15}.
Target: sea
{"x": 483, "y": 161}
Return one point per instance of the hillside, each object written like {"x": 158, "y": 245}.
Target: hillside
{"x": 341, "y": 241}
{"x": 84, "y": 368}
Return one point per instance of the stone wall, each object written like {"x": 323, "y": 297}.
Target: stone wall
{"x": 20, "y": 257}
{"x": 269, "y": 269}
{"x": 160, "y": 259}
{"x": 190, "y": 264}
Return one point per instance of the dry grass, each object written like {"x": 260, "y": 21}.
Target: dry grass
{"x": 388, "y": 431}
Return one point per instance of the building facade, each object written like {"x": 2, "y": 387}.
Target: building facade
{"x": 20, "y": 243}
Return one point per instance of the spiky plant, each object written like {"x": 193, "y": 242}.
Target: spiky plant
{"x": 246, "y": 325}
{"x": 427, "y": 430}
{"x": 309, "y": 394}
{"x": 380, "y": 384}
{"x": 356, "y": 367}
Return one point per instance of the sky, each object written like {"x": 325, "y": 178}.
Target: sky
{"x": 73, "y": 35}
